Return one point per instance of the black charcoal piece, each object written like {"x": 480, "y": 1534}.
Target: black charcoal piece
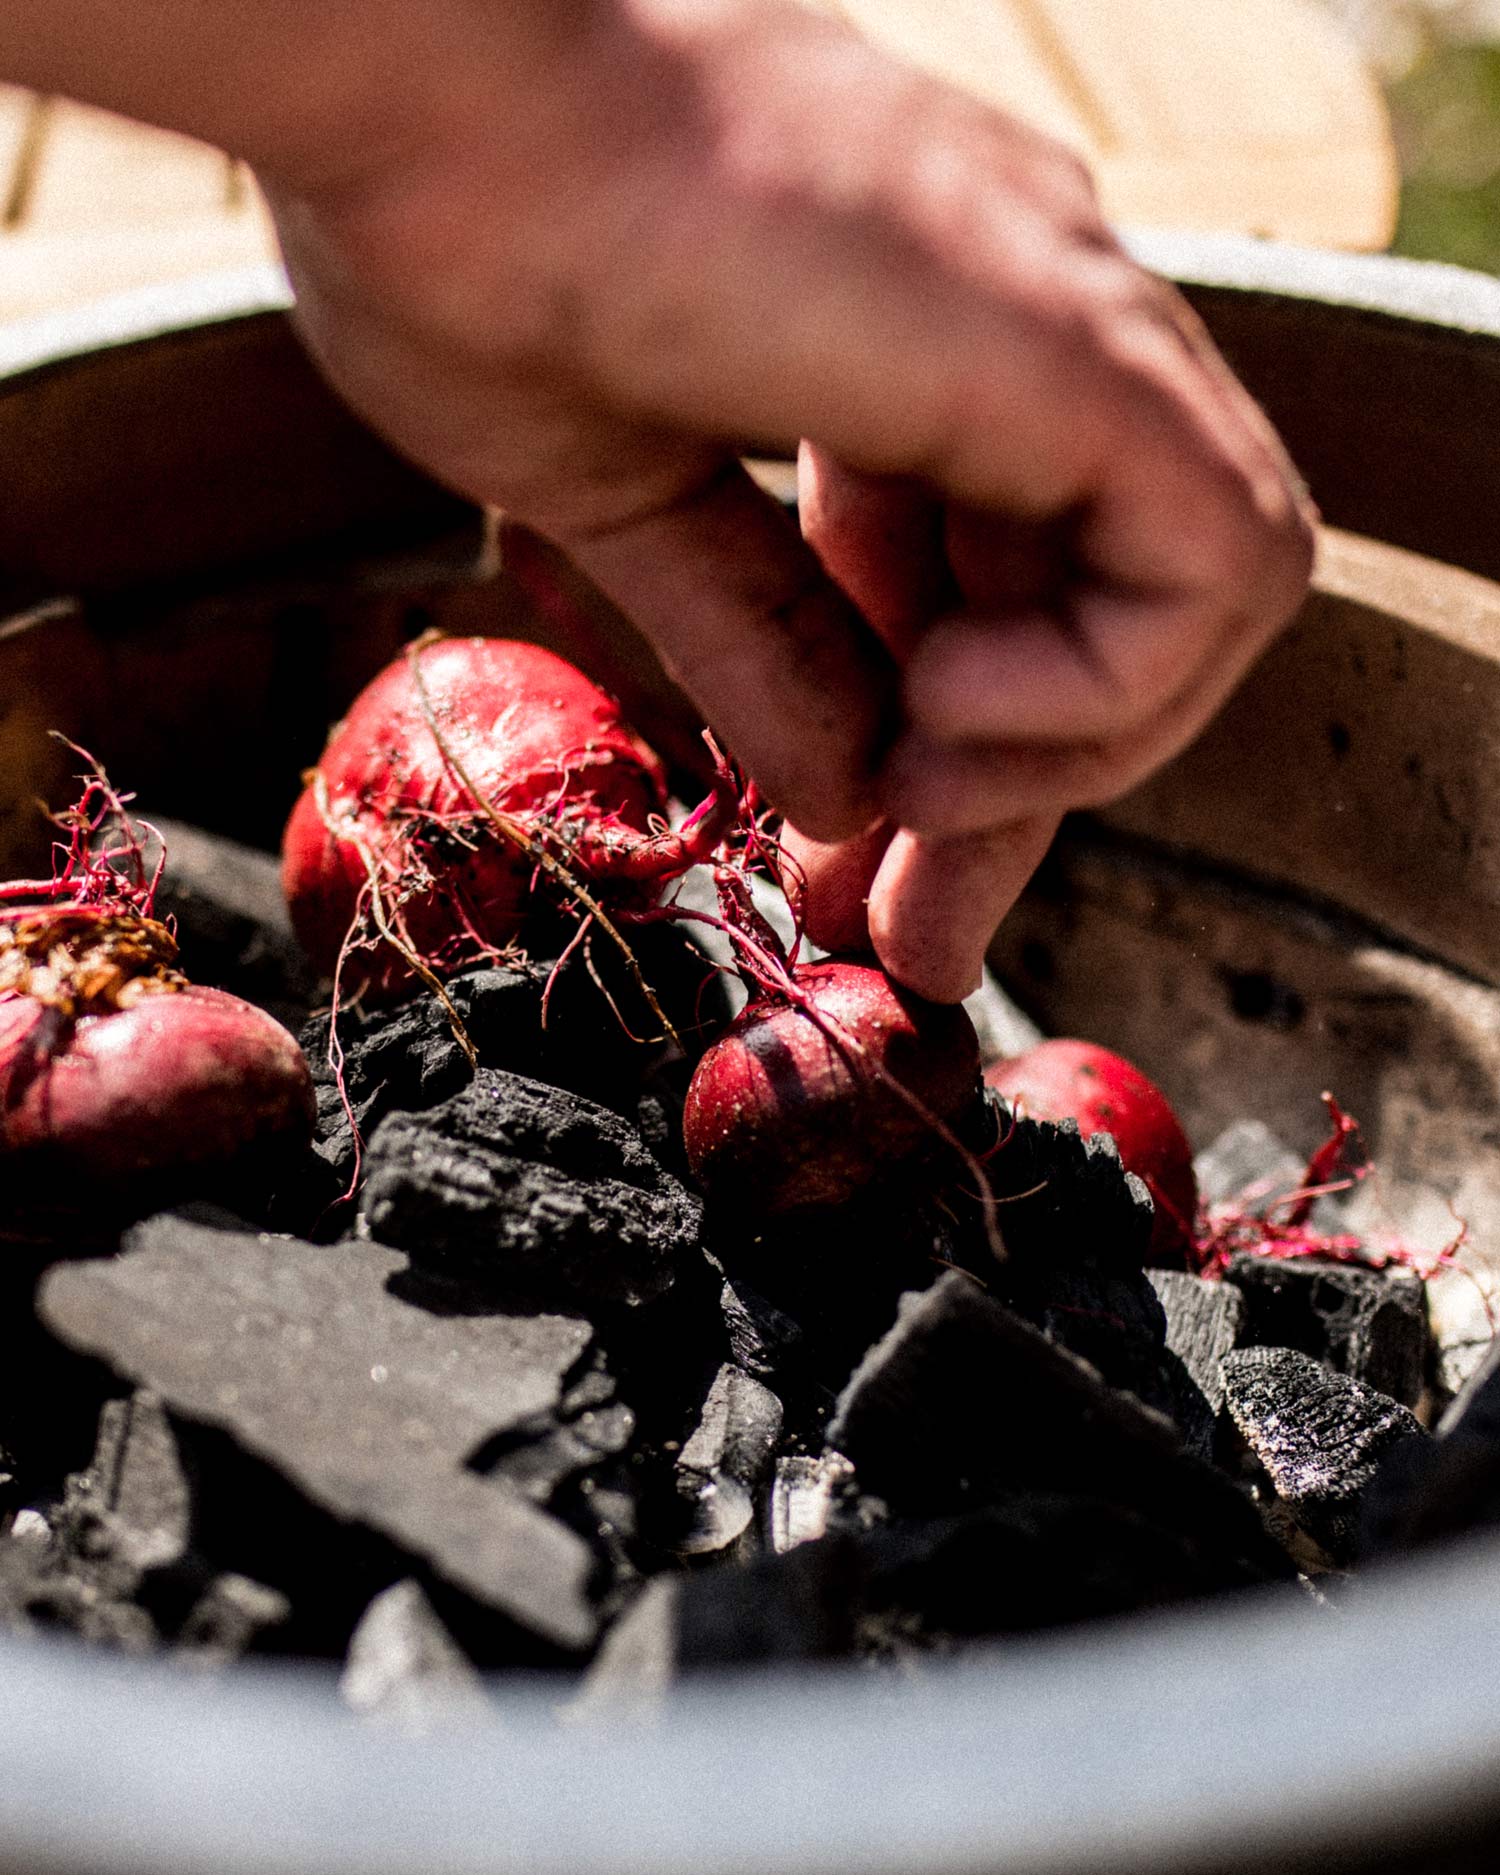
{"x": 365, "y": 1403}
{"x": 737, "y": 1430}
{"x": 231, "y": 918}
{"x": 135, "y": 1498}
{"x": 962, "y": 1403}
{"x": 1036, "y": 1560}
{"x": 1249, "y": 1165}
{"x": 1319, "y": 1436}
{"x": 1108, "y": 1316}
{"x": 762, "y": 1338}
{"x": 1369, "y": 1324}
{"x": 403, "y": 1666}
{"x": 774, "y": 1610}
{"x": 1067, "y": 1200}
{"x": 540, "y": 1453}
{"x": 228, "y": 1619}
{"x": 1204, "y": 1321}
{"x": 534, "y": 1190}
{"x": 724, "y": 1461}
{"x": 803, "y": 1495}
{"x": 1450, "y": 1484}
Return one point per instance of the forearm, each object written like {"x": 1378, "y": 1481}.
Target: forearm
{"x": 299, "y": 90}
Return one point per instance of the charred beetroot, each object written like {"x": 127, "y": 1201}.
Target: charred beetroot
{"x": 1105, "y": 1093}
{"x": 816, "y": 1093}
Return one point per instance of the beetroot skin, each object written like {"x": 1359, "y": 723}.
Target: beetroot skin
{"x": 780, "y": 1115}
{"x": 1105, "y": 1093}
{"x": 173, "y": 1082}
{"x": 118, "y": 1077}
{"x": 540, "y": 743}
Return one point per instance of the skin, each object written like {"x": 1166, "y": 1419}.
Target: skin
{"x": 574, "y": 259}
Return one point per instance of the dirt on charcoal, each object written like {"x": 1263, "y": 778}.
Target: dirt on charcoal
{"x": 528, "y": 1402}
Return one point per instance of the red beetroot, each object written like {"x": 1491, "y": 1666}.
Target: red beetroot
{"x": 398, "y": 819}
{"x": 787, "y": 1110}
{"x": 116, "y": 1073}
{"x": 1104, "y": 1093}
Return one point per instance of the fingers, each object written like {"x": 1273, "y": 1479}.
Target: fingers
{"x": 935, "y": 904}
{"x": 881, "y": 538}
{"x": 829, "y": 885}
{"x": 744, "y": 617}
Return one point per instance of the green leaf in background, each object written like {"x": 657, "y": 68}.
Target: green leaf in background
{"x": 1446, "y": 111}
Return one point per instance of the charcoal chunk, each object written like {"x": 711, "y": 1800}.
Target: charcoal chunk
{"x": 532, "y": 1189}
{"x": 228, "y": 1620}
{"x": 367, "y": 1404}
{"x": 963, "y": 1403}
{"x": 762, "y": 1338}
{"x": 1204, "y": 1321}
{"x": 724, "y": 1461}
{"x": 1068, "y": 1200}
{"x": 404, "y": 1667}
{"x": 1367, "y": 1323}
{"x": 1035, "y": 1560}
{"x": 777, "y": 1609}
{"x": 1319, "y": 1436}
{"x": 541, "y": 1452}
{"x": 803, "y": 1495}
{"x": 1447, "y": 1485}
{"x": 131, "y": 1511}
{"x": 1108, "y": 1316}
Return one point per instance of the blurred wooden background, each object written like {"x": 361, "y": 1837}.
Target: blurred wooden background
{"x": 1256, "y": 115}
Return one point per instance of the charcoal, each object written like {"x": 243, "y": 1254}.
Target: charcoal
{"x": 1204, "y": 1321}
{"x": 541, "y": 1452}
{"x": 803, "y": 1495}
{"x": 1108, "y": 1316}
{"x": 724, "y": 1461}
{"x": 1447, "y": 1485}
{"x": 404, "y": 1666}
{"x": 1320, "y": 1437}
{"x": 1067, "y": 1200}
{"x": 535, "y": 1190}
{"x": 231, "y": 919}
{"x": 134, "y": 1503}
{"x": 1003, "y": 1028}
{"x": 963, "y": 1403}
{"x": 1248, "y": 1165}
{"x": 762, "y": 1338}
{"x": 40, "y": 1590}
{"x": 310, "y": 1360}
{"x": 775, "y": 1610}
{"x": 1035, "y": 1560}
{"x": 409, "y": 1057}
{"x": 1367, "y": 1323}
{"x": 228, "y": 1619}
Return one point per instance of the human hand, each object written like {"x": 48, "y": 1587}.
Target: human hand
{"x": 1046, "y": 532}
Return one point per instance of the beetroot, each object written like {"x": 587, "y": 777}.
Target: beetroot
{"x": 1104, "y": 1093}
{"x": 795, "y": 1105}
{"x": 467, "y": 773}
{"x": 119, "y": 1078}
